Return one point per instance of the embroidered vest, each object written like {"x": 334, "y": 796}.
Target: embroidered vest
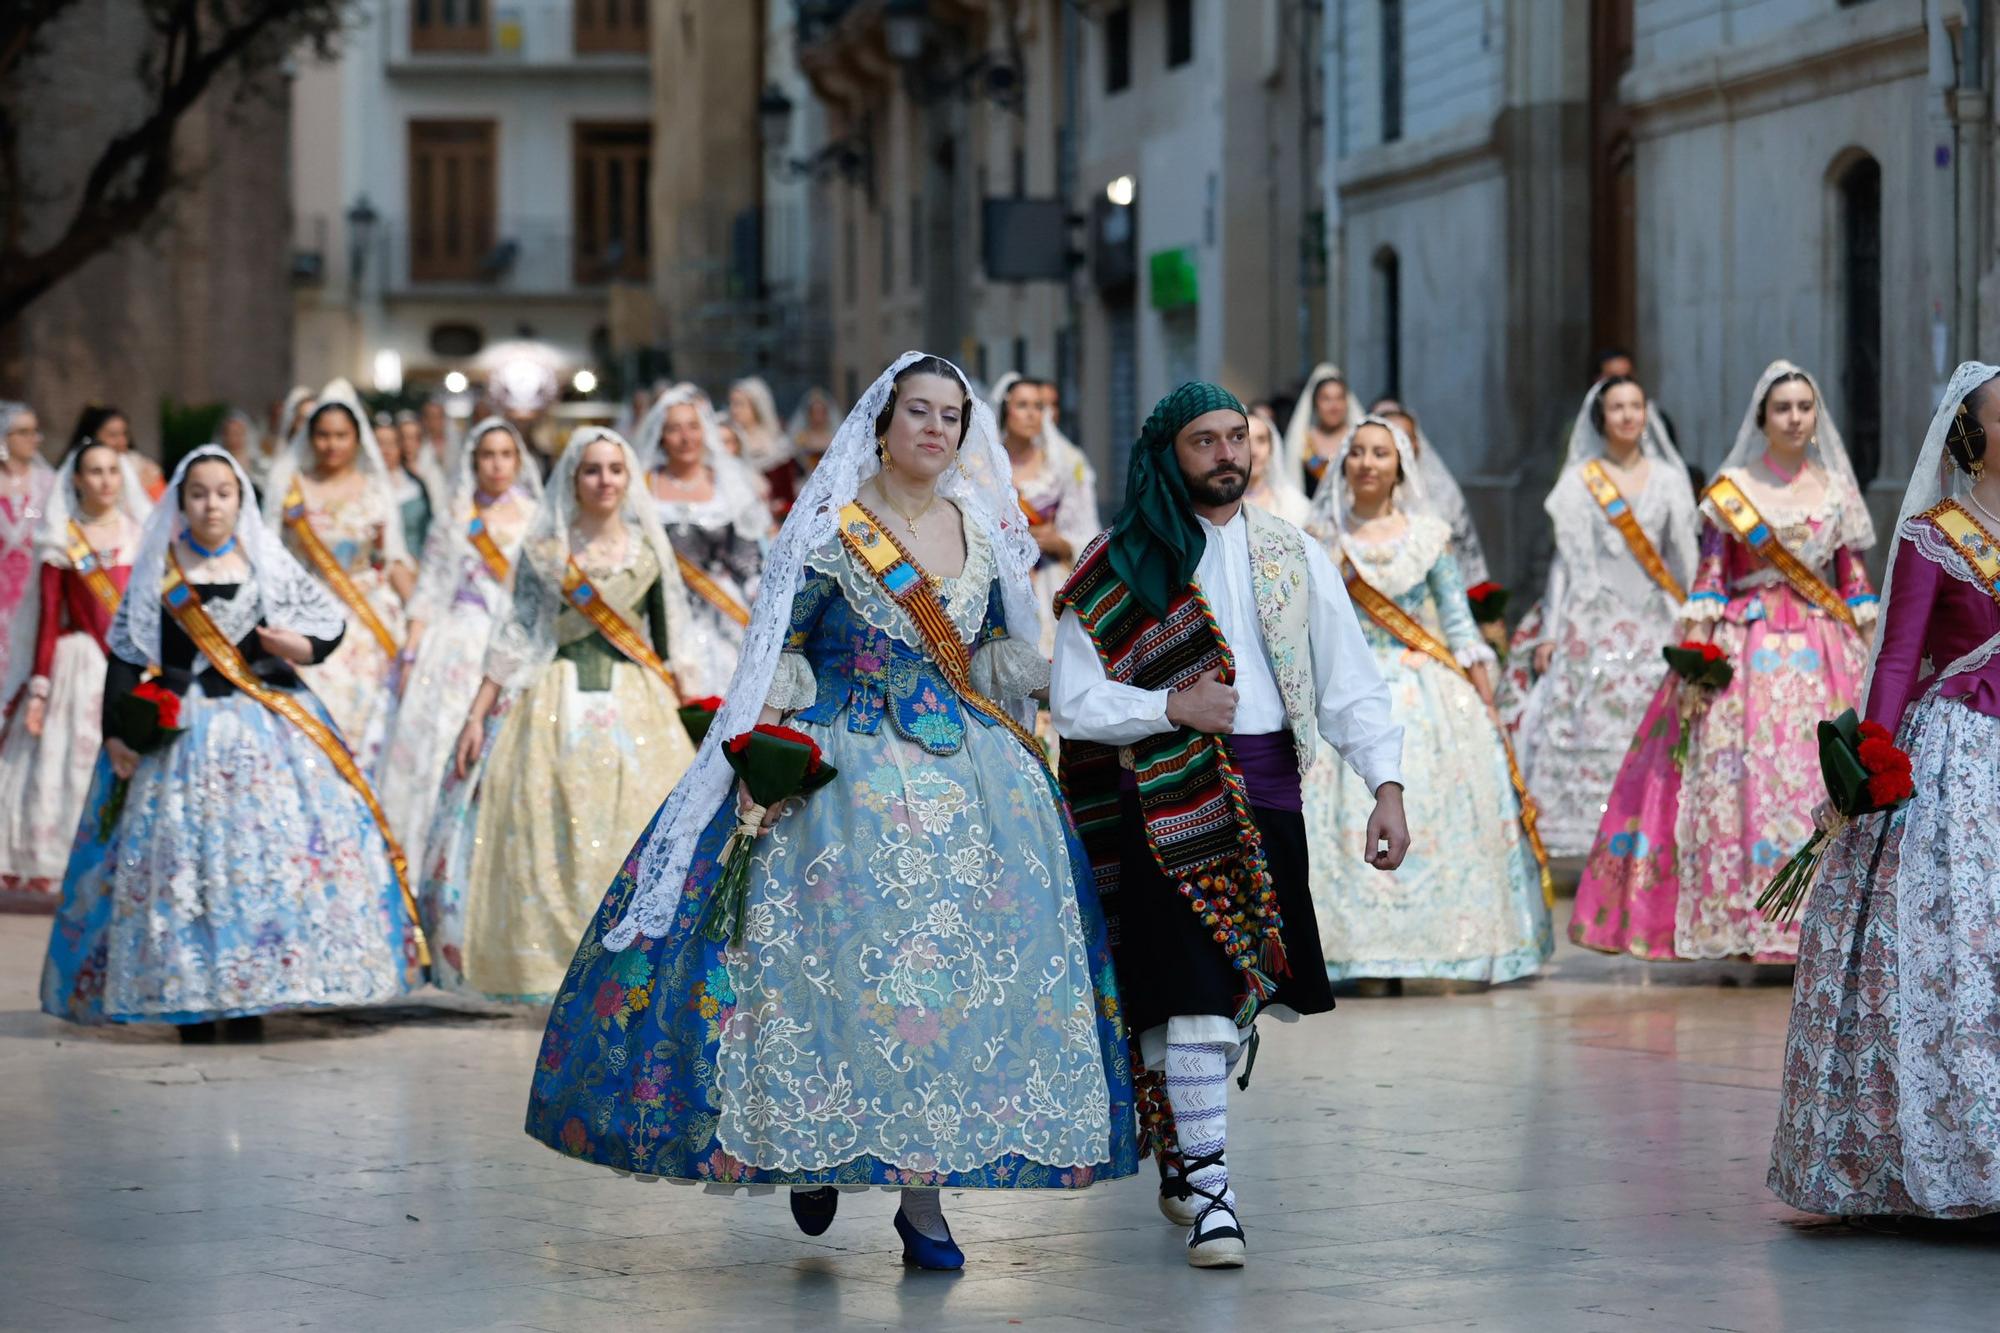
{"x": 1282, "y": 583}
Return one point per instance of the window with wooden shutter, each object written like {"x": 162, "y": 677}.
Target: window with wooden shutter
{"x": 451, "y": 199}
{"x": 613, "y": 166}
{"x": 610, "y": 25}
{"x": 448, "y": 25}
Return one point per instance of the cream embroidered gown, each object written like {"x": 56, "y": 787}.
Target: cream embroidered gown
{"x": 1467, "y": 902}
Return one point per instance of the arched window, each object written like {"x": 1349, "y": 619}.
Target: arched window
{"x": 1389, "y": 320}
{"x": 1858, "y": 185}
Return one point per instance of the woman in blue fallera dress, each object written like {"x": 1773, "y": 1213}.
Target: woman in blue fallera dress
{"x": 923, "y": 997}
{"x": 237, "y": 872}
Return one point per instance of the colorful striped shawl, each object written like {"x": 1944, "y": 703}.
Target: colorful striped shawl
{"x": 1191, "y": 796}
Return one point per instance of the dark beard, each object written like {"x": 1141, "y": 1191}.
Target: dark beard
{"x": 1225, "y": 488}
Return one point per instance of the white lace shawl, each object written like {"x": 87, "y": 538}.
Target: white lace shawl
{"x": 1826, "y": 449}
{"x": 296, "y": 458}
{"x": 765, "y": 444}
{"x": 51, "y": 547}
{"x": 1935, "y": 479}
{"x": 979, "y": 482}
{"x": 523, "y": 642}
{"x": 448, "y": 551}
{"x": 1579, "y": 520}
{"x": 288, "y": 596}
{"x": 737, "y": 495}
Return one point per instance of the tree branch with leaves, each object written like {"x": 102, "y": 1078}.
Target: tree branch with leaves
{"x": 191, "y": 48}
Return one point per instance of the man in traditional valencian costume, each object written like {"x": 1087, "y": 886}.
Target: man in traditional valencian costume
{"x": 1203, "y": 650}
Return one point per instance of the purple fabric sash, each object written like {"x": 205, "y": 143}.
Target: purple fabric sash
{"x": 1270, "y": 768}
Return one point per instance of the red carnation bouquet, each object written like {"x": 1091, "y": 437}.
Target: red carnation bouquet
{"x": 698, "y": 714}
{"x": 774, "y": 764}
{"x": 1704, "y": 671}
{"x": 1865, "y": 774}
{"x": 1489, "y": 602}
{"x": 147, "y": 720}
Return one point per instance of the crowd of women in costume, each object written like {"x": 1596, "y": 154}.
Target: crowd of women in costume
{"x": 395, "y": 705}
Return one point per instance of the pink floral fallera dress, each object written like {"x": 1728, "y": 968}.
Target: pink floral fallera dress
{"x": 1682, "y": 855}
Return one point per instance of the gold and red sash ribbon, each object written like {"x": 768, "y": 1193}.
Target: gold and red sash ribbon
{"x": 706, "y": 588}
{"x": 1383, "y": 610}
{"x": 83, "y": 556}
{"x": 330, "y": 572}
{"x": 184, "y": 605}
{"x": 1036, "y": 517}
{"x": 1974, "y": 544}
{"x": 489, "y": 550}
{"x": 1749, "y": 525}
{"x": 1619, "y": 513}
{"x": 910, "y": 588}
{"x": 582, "y": 594}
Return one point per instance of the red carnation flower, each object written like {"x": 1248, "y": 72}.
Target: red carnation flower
{"x": 1479, "y": 592}
{"x": 1875, "y": 731}
{"x": 1712, "y": 653}
{"x": 707, "y": 704}
{"x": 165, "y": 703}
{"x": 1891, "y": 788}
{"x": 1878, "y": 755}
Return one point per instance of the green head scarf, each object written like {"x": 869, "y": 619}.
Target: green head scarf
{"x": 1156, "y": 542}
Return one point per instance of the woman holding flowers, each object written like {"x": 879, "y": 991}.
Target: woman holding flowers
{"x": 1625, "y": 550}
{"x": 921, "y": 997}
{"x": 1718, "y": 787}
{"x": 1891, "y": 1095}
{"x": 1468, "y": 902}
{"x": 587, "y": 658}
{"x": 232, "y": 859}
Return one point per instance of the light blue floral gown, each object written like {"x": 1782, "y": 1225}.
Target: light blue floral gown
{"x": 242, "y": 876}
{"x": 925, "y": 994}
{"x": 1467, "y": 903}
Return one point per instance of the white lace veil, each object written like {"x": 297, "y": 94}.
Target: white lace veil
{"x": 296, "y": 457}
{"x": 449, "y": 546}
{"x": 292, "y": 598}
{"x": 1059, "y": 454}
{"x": 982, "y": 486}
{"x": 1332, "y": 517}
{"x": 51, "y": 547}
{"x": 1577, "y": 515}
{"x": 524, "y": 642}
{"x": 736, "y": 485}
{"x": 1857, "y": 529}
{"x": 1298, "y": 431}
{"x": 765, "y": 444}
{"x": 1935, "y": 479}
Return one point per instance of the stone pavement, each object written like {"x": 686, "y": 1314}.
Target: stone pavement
{"x": 1582, "y": 1152}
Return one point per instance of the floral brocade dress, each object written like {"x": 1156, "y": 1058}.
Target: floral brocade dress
{"x": 1467, "y": 902}
{"x": 354, "y": 682}
{"x": 242, "y": 875}
{"x": 1683, "y": 853}
{"x": 1891, "y": 1095}
{"x": 520, "y": 852}
{"x": 924, "y": 995}
{"x": 1608, "y": 620}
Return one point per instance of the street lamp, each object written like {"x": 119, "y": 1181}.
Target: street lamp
{"x": 361, "y": 220}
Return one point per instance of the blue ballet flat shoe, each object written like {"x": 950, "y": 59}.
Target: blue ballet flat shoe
{"x": 813, "y": 1209}
{"x": 920, "y": 1251}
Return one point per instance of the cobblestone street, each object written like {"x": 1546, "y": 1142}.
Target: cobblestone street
{"x": 1583, "y": 1152}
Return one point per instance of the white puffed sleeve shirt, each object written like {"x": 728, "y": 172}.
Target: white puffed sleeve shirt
{"x": 1353, "y": 704}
